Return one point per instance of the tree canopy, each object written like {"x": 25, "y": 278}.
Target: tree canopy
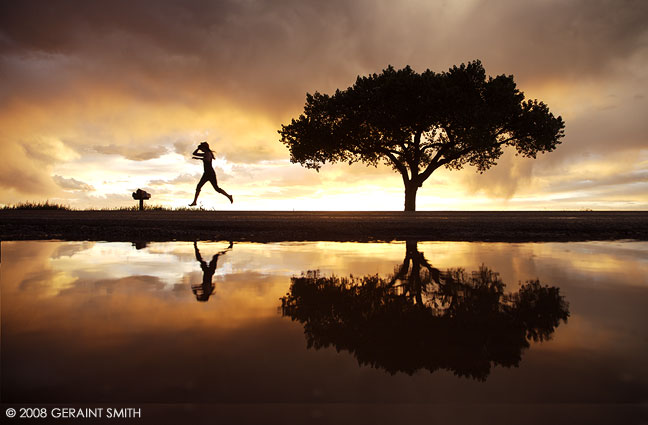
{"x": 418, "y": 123}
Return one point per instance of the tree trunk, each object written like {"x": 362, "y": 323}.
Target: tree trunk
{"x": 410, "y": 196}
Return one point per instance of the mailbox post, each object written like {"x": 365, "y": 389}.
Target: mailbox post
{"x": 141, "y": 195}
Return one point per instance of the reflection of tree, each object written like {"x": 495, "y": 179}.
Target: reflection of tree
{"x": 204, "y": 290}
{"x": 423, "y": 318}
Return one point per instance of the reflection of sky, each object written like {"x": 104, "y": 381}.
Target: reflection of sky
{"x": 169, "y": 262}
{"x": 247, "y": 271}
{"x": 90, "y": 302}
{"x": 119, "y": 260}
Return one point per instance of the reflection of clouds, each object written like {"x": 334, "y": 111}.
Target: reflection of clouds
{"x": 282, "y": 258}
{"x": 132, "y": 288}
{"x": 601, "y": 263}
{"x": 27, "y": 267}
{"x": 70, "y": 248}
{"x": 184, "y": 251}
{"x": 132, "y": 284}
{"x": 250, "y": 278}
{"x": 143, "y": 335}
{"x": 47, "y": 283}
{"x": 172, "y": 262}
{"x": 119, "y": 260}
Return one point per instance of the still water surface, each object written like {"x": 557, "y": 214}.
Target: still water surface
{"x": 545, "y": 323}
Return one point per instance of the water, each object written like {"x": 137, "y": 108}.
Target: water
{"x": 88, "y": 323}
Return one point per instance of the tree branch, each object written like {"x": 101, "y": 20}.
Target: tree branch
{"x": 395, "y": 152}
{"x": 416, "y": 160}
{"x": 431, "y": 145}
{"x": 399, "y": 166}
{"x": 433, "y": 165}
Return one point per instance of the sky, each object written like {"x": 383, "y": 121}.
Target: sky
{"x": 100, "y": 98}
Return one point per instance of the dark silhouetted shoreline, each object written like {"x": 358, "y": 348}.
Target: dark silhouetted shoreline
{"x": 271, "y": 226}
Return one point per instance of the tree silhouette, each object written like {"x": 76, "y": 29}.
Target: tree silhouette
{"x": 418, "y": 123}
{"x": 423, "y": 318}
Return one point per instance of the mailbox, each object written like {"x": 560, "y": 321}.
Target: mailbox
{"x": 140, "y": 195}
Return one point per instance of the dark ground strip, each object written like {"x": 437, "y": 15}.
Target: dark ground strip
{"x": 267, "y": 226}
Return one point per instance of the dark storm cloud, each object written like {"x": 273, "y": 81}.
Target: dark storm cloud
{"x": 250, "y": 51}
{"x": 273, "y": 52}
{"x": 555, "y": 39}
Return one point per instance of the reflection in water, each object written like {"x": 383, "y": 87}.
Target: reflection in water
{"x": 206, "y": 288}
{"x": 103, "y": 322}
{"x": 424, "y": 318}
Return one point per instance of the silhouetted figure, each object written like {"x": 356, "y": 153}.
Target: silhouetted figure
{"x": 206, "y": 288}
{"x": 205, "y": 154}
{"x": 423, "y": 318}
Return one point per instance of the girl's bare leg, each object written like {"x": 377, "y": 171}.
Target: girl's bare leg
{"x": 222, "y": 192}
{"x": 202, "y": 181}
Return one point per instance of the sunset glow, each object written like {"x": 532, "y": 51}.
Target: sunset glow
{"x": 97, "y": 102}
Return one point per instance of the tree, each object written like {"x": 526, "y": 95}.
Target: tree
{"x": 425, "y": 318}
{"x": 418, "y": 123}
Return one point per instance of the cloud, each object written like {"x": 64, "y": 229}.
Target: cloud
{"x": 503, "y": 179}
{"x": 269, "y": 54}
{"x": 293, "y": 177}
{"x": 616, "y": 181}
{"x": 134, "y": 153}
{"x": 184, "y": 147}
{"x": 94, "y": 200}
{"x": 72, "y": 184}
{"x": 182, "y": 178}
{"x": 555, "y": 39}
{"x": 141, "y": 80}
{"x": 618, "y": 125}
{"x": 25, "y": 171}
{"x": 265, "y": 56}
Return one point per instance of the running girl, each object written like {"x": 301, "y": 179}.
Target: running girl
{"x": 209, "y": 175}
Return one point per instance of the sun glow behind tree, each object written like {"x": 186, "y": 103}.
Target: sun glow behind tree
{"x": 87, "y": 116}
